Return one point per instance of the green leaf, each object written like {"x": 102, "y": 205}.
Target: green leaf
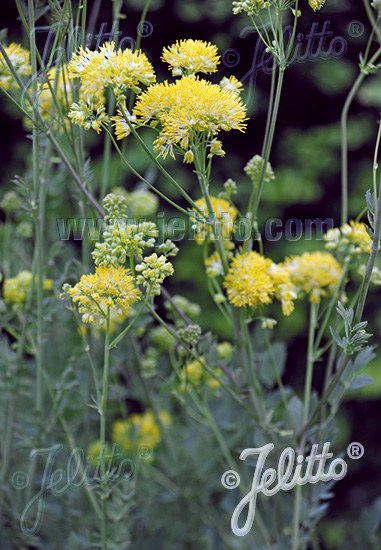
{"x": 360, "y": 382}
{"x": 296, "y": 410}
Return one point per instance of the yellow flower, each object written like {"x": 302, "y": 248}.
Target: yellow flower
{"x": 112, "y": 286}
{"x": 316, "y": 4}
{"x": 140, "y": 429}
{"x": 188, "y": 157}
{"x": 253, "y": 280}
{"x": 248, "y": 282}
{"x": 225, "y": 215}
{"x": 118, "y": 69}
{"x": 351, "y": 239}
{"x": 187, "y": 109}
{"x": 316, "y": 274}
{"x": 194, "y": 56}
{"x": 15, "y": 289}
{"x": 232, "y": 84}
{"x": 88, "y": 115}
{"x": 20, "y": 60}
{"x": 195, "y": 375}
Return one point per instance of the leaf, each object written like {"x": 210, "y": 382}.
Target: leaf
{"x": 371, "y": 517}
{"x": 363, "y": 358}
{"x": 360, "y": 382}
{"x": 296, "y": 410}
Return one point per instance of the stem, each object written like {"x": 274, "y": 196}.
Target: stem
{"x": 103, "y": 431}
{"x": 306, "y": 408}
{"x": 39, "y": 219}
{"x": 344, "y": 141}
{"x": 257, "y": 190}
{"x": 124, "y": 332}
{"x": 204, "y": 365}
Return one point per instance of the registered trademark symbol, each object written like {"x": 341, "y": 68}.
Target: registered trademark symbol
{"x": 355, "y": 451}
{"x": 356, "y": 29}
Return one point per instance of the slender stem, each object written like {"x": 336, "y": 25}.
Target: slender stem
{"x": 39, "y": 219}
{"x": 306, "y": 408}
{"x": 124, "y": 332}
{"x": 124, "y": 160}
{"x": 158, "y": 164}
{"x": 204, "y": 365}
{"x": 344, "y": 140}
{"x": 103, "y": 431}
{"x": 310, "y": 361}
{"x": 257, "y": 190}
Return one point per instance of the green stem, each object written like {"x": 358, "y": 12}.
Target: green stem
{"x": 103, "y": 412}
{"x": 158, "y": 164}
{"x": 306, "y": 408}
{"x": 205, "y": 366}
{"x": 124, "y": 332}
{"x": 344, "y": 141}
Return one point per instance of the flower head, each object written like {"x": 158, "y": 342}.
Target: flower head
{"x": 20, "y": 59}
{"x": 316, "y": 274}
{"x": 140, "y": 429}
{"x": 248, "y": 282}
{"x": 254, "y": 168}
{"x": 225, "y": 214}
{"x": 232, "y": 84}
{"x": 191, "y": 56}
{"x": 187, "y": 109}
{"x": 253, "y": 280}
{"x": 152, "y": 272}
{"x": 110, "y": 287}
{"x": 122, "y": 239}
{"x": 117, "y": 69}
{"x": 251, "y": 7}
{"x": 194, "y": 375}
{"x": 351, "y": 239}
{"x": 15, "y": 289}
{"x": 88, "y": 115}
{"x": 316, "y": 4}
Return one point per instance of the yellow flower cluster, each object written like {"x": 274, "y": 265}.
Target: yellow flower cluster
{"x": 20, "y": 59}
{"x": 194, "y": 56}
{"x": 109, "y": 287}
{"x": 225, "y": 213}
{"x": 188, "y": 109}
{"x": 194, "y": 374}
{"x": 89, "y": 115}
{"x": 351, "y": 239}
{"x": 55, "y": 80}
{"x": 253, "y": 280}
{"x": 15, "y": 289}
{"x": 316, "y": 274}
{"x": 118, "y": 69}
{"x": 140, "y": 429}
{"x": 316, "y": 4}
